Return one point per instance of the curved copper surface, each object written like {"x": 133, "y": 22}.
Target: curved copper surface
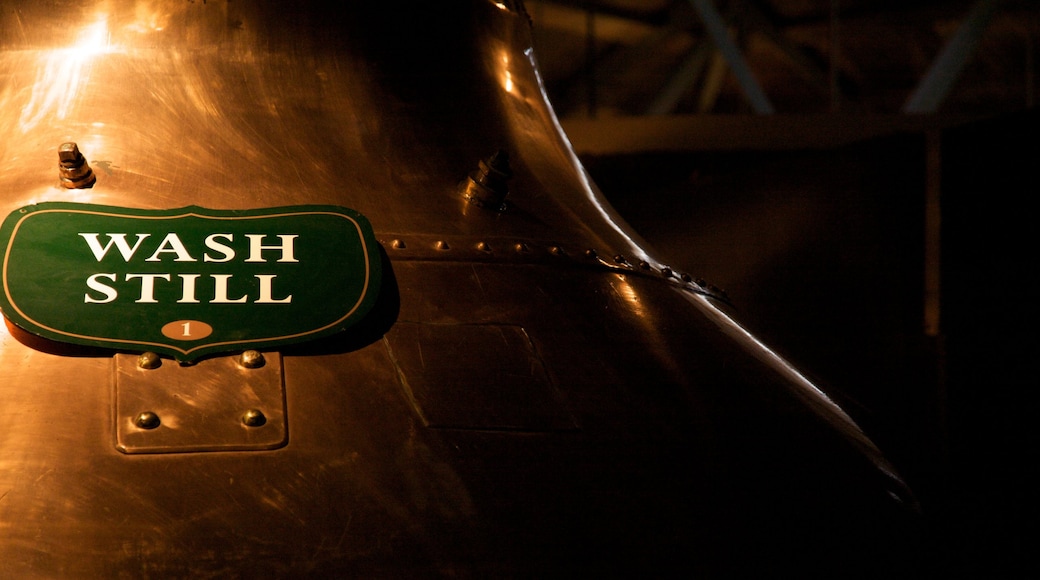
{"x": 646, "y": 427}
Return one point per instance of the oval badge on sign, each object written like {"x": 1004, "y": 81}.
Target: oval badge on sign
{"x": 186, "y": 282}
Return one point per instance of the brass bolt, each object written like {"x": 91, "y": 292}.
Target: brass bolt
{"x": 73, "y": 170}
{"x": 487, "y": 185}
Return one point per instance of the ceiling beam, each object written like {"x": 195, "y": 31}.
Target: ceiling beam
{"x": 941, "y": 76}
{"x": 681, "y": 82}
{"x": 610, "y": 28}
{"x": 687, "y": 133}
{"x": 719, "y": 34}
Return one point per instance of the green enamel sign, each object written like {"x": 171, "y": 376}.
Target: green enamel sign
{"x": 186, "y": 282}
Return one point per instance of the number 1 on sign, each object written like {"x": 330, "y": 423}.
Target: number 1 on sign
{"x": 187, "y": 330}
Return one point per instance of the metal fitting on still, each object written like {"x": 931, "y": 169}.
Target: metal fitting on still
{"x": 73, "y": 169}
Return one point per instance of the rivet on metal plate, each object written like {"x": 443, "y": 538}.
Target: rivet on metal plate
{"x": 147, "y": 420}
{"x": 251, "y": 359}
{"x": 149, "y": 360}
{"x": 253, "y": 418}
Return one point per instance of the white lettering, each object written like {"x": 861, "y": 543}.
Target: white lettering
{"x": 171, "y": 244}
{"x": 109, "y": 292}
{"x": 118, "y": 239}
{"x": 188, "y": 288}
{"x": 147, "y": 285}
{"x": 213, "y": 244}
{"x": 256, "y": 247}
{"x": 266, "y": 292}
{"x": 220, "y": 290}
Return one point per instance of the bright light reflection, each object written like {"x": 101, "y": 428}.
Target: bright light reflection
{"x": 92, "y": 40}
{"x": 150, "y": 17}
{"x": 507, "y": 76}
{"x": 63, "y": 73}
{"x": 591, "y": 190}
{"x": 628, "y": 293}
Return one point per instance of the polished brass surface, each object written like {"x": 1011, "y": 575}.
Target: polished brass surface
{"x": 476, "y": 376}
{"x": 608, "y": 416}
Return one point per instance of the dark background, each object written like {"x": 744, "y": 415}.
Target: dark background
{"x": 816, "y": 227}
{"x": 821, "y": 252}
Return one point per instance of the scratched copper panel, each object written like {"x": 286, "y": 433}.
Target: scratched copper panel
{"x": 697, "y": 446}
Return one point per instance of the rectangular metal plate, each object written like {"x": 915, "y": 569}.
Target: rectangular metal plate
{"x": 200, "y": 407}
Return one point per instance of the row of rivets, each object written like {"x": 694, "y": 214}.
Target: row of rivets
{"x": 250, "y": 359}
{"x": 665, "y": 271}
{"x": 619, "y": 260}
{"x": 482, "y": 246}
{"x": 149, "y": 420}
